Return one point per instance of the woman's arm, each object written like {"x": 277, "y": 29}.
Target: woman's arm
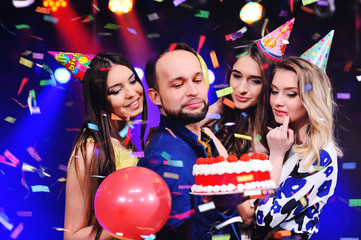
{"x": 76, "y": 214}
{"x": 246, "y": 211}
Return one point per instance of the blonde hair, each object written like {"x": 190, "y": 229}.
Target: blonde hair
{"x": 315, "y": 92}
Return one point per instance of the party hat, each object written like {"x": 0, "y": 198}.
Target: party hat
{"x": 274, "y": 44}
{"x": 76, "y": 63}
{"x": 318, "y": 53}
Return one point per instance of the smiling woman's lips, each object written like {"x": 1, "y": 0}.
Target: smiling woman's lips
{"x": 133, "y": 105}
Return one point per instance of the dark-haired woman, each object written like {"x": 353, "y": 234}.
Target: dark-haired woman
{"x": 113, "y": 95}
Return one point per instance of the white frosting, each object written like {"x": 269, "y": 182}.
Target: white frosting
{"x": 232, "y": 167}
{"x": 231, "y": 188}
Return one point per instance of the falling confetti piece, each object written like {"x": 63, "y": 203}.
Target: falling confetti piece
{"x": 112, "y": 26}
{"x": 307, "y": 9}
{"x": 171, "y": 133}
{"x": 93, "y": 126}
{"x": 348, "y": 66}
{"x": 244, "y": 114}
{"x": 264, "y": 26}
{"x": 61, "y": 229}
{"x": 213, "y": 116}
{"x": 315, "y": 36}
{"x": 22, "y": 26}
{"x": 303, "y": 202}
{"x": 165, "y": 155}
{"x": 124, "y": 131}
{"x": 178, "y": 2}
{"x": 306, "y": 2}
{"x": 150, "y": 237}
{"x": 61, "y": 179}
{"x": 153, "y": 35}
{"x": 175, "y": 163}
{"x": 137, "y": 154}
{"x": 33, "y": 153}
{"x": 220, "y": 86}
{"x": 202, "y": 38}
{"x": 349, "y": 165}
{"x": 170, "y": 175}
{"x": 358, "y": 78}
{"x": 229, "y": 103}
{"x": 229, "y": 221}
{"x": 36, "y": 37}
{"x": 50, "y": 19}
{"x": 206, "y": 206}
{"x": 26, "y": 62}
{"x": 98, "y": 176}
{"x": 245, "y": 178}
{"x": 153, "y": 16}
{"x": 10, "y": 119}
{"x": 131, "y": 30}
{"x": 24, "y": 213}
{"x": 354, "y": 202}
{"x": 23, "y": 82}
{"x": 228, "y": 124}
{"x": 343, "y": 96}
{"x": 40, "y": 188}
{"x": 252, "y": 192}
{"x": 12, "y": 158}
{"x": 243, "y": 136}
{"x": 5, "y": 222}
{"x": 259, "y": 137}
{"x": 214, "y": 59}
{"x": 224, "y": 92}
{"x": 221, "y": 237}
{"x": 202, "y": 14}
{"x": 17, "y": 231}
{"x": 184, "y": 186}
{"x": 43, "y": 10}
{"x": 38, "y": 55}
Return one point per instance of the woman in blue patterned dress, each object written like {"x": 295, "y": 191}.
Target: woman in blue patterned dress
{"x": 307, "y": 171}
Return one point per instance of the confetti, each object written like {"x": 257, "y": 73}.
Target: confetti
{"x": 22, "y": 26}
{"x": 303, "y": 201}
{"x": 170, "y": 175}
{"x": 259, "y": 137}
{"x": 178, "y": 2}
{"x": 214, "y": 59}
{"x": 63, "y": 167}
{"x": 172, "y": 46}
{"x": 13, "y": 160}
{"x": 38, "y": 55}
{"x": 28, "y": 168}
{"x": 349, "y": 165}
{"x": 252, "y": 192}
{"x": 124, "y": 131}
{"x": 61, "y": 179}
{"x": 17, "y": 231}
{"x": 153, "y": 16}
{"x": 202, "y": 38}
{"x": 243, "y": 136}
{"x": 184, "y": 186}
{"x": 315, "y": 36}
{"x": 220, "y": 86}
{"x": 228, "y": 124}
{"x": 104, "y": 34}
{"x": 229, "y": 103}
{"x": 206, "y": 206}
{"x": 242, "y": 54}
{"x": 33, "y": 153}
{"x": 5, "y": 222}
{"x": 26, "y": 62}
{"x": 245, "y": 178}
{"x": 183, "y": 215}
{"x": 165, "y": 155}
{"x": 213, "y": 116}
{"x": 307, "y": 87}
{"x": 23, "y": 82}
{"x": 348, "y": 66}
{"x": 24, "y": 213}
{"x": 354, "y": 202}
{"x": 216, "y": 128}
{"x": 131, "y": 30}
{"x": 202, "y": 14}
{"x": 10, "y": 119}
{"x": 224, "y": 92}
{"x": 137, "y": 154}
{"x": 112, "y": 26}
{"x": 283, "y": 13}
{"x": 40, "y": 188}
{"x": 150, "y": 237}
{"x": 36, "y": 37}
{"x": 7, "y": 29}
{"x": 175, "y": 163}
{"x": 306, "y": 2}
{"x": 244, "y": 114}
{"x": 264, "y": 26}
{"x": 229, "y": 221}
{"x": 61, "y": 229}
{"x": 93, "y": 126}
{"x": 43, "y": 10}
{"x": 343, "y": 96}
{"x": 307, "y": 9}
{"x": 51, "y": 19}
{"x": 349, "y": 238}
{"x": 221, "y": 237}
{"x": 358, "y": 78}
{"x": 98, "y": 176}
{"x": 153, "y": 35}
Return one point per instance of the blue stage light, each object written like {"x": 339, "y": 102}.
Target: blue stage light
{"x": 62, "y": 75}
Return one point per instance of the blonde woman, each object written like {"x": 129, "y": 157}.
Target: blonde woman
{"x": 300, "y": 97}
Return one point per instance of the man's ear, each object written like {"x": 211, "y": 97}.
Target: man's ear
{"x": 154, "y": 96}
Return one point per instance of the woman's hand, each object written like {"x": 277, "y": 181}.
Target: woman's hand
{"x": 280, "y": 139}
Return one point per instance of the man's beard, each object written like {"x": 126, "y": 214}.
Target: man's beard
{"x": 186, "y": 118}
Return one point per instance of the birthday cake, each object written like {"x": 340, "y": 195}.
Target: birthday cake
{"x": 219, "y": 175}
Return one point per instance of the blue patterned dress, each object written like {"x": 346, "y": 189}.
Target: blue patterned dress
{"x": 303, "y": 193}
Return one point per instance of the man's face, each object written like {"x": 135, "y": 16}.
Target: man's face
{"x": 181, "y": 87}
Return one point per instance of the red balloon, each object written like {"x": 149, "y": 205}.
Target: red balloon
{"x": 133, "y": 202}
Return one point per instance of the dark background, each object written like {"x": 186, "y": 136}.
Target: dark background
{"x": 52, "y": 132}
